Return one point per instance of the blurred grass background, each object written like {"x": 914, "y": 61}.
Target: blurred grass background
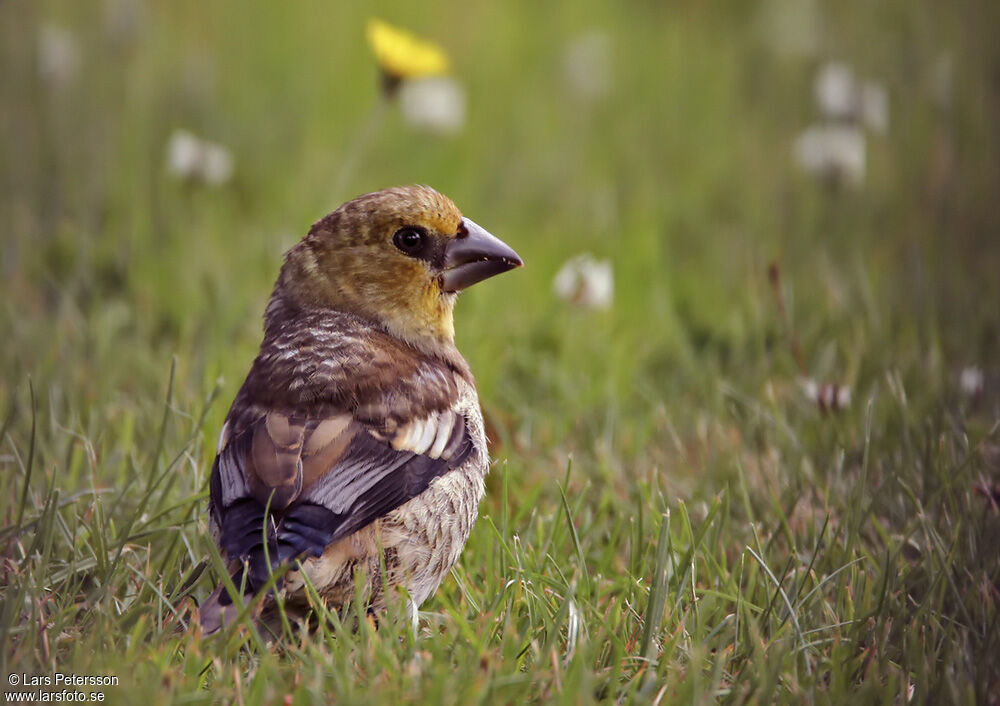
{"x": 682, "y": 400}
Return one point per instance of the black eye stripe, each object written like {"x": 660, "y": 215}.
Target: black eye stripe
{"x": 418, "y": 243}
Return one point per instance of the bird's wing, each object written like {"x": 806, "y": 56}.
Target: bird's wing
{"x": 304, "y": 482}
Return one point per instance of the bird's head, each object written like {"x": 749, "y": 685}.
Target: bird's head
{"x": 397, "y": 257}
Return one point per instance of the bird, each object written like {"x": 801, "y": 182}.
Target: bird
{"x": 355, "y": 450}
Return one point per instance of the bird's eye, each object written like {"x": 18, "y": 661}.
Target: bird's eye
{"x": 410, "y": 240}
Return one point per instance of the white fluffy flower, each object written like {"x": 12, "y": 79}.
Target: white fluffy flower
{"x": 832, "y": 152}
{"x": 435, "y": 104}
{"x": 183, "y": 154}
{"x": 194, "y": 159}
{"x": 586, "y": 282}
{"x": 216, "y": 165}
{"x": 841, "y": 97}
{"x": 587, "y": 65}
{"x": 58, "y": 55}
{"x": 971, "y": 380}
{"x": 835, "y": 91}
{"x": 827, "y": 396}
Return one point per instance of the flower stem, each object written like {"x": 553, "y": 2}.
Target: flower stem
{"x": 358, "y": 145}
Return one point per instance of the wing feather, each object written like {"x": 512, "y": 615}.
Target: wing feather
{"x": 298, "y": 485}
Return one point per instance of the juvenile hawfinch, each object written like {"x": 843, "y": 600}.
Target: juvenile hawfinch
{"x": 356, "y": 443}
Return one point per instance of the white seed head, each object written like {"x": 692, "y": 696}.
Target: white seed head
{"x": 971, "y": 380}
{"x": 193, "y": 159}
{"x": 836, "y": 151}
{"x": 434, "y": 104}
{"x": 586, "y": 282}
{"x": 586, "y": 63}
{"x": 58, "y": 56}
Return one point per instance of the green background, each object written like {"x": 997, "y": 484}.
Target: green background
{"x": 670, "y": 517}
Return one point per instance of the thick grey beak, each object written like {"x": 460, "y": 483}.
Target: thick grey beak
{"x": 475, "y": 256}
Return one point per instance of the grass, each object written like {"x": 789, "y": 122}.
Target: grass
{"x": 669, "y": 519}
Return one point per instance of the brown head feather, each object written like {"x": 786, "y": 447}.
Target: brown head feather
{"x": 348, "y": 262}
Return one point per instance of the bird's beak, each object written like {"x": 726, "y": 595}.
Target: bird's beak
{"x": 475, "y": 256}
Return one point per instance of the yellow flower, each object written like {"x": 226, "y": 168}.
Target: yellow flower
{"x": 402, "y": 55}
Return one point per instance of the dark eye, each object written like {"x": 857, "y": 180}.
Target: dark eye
{"x": 410, "y": 240}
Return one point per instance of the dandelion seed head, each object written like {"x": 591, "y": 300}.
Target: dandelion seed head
{"x": 193, "y": 159}
{"x": 217, "y": 164}
{"x": 835, "y": 91}
{"x": 586, "y": 282}
{"x": 842, "y": 97}
{"x": 586, "y": 64}
{"x": 183, "y": 154}
{"x": 59, "y": 56}
{"x": 971, "y": 381}
{"x": 827, "y": 396}
{"x": 435, "y": 104}
{"x": 832, "y": 152}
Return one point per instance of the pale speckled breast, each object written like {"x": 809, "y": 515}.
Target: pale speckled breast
{"x": 422, "y": 539}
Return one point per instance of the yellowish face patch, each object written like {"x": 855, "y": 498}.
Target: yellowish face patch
{"x": 349, "y": 261}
